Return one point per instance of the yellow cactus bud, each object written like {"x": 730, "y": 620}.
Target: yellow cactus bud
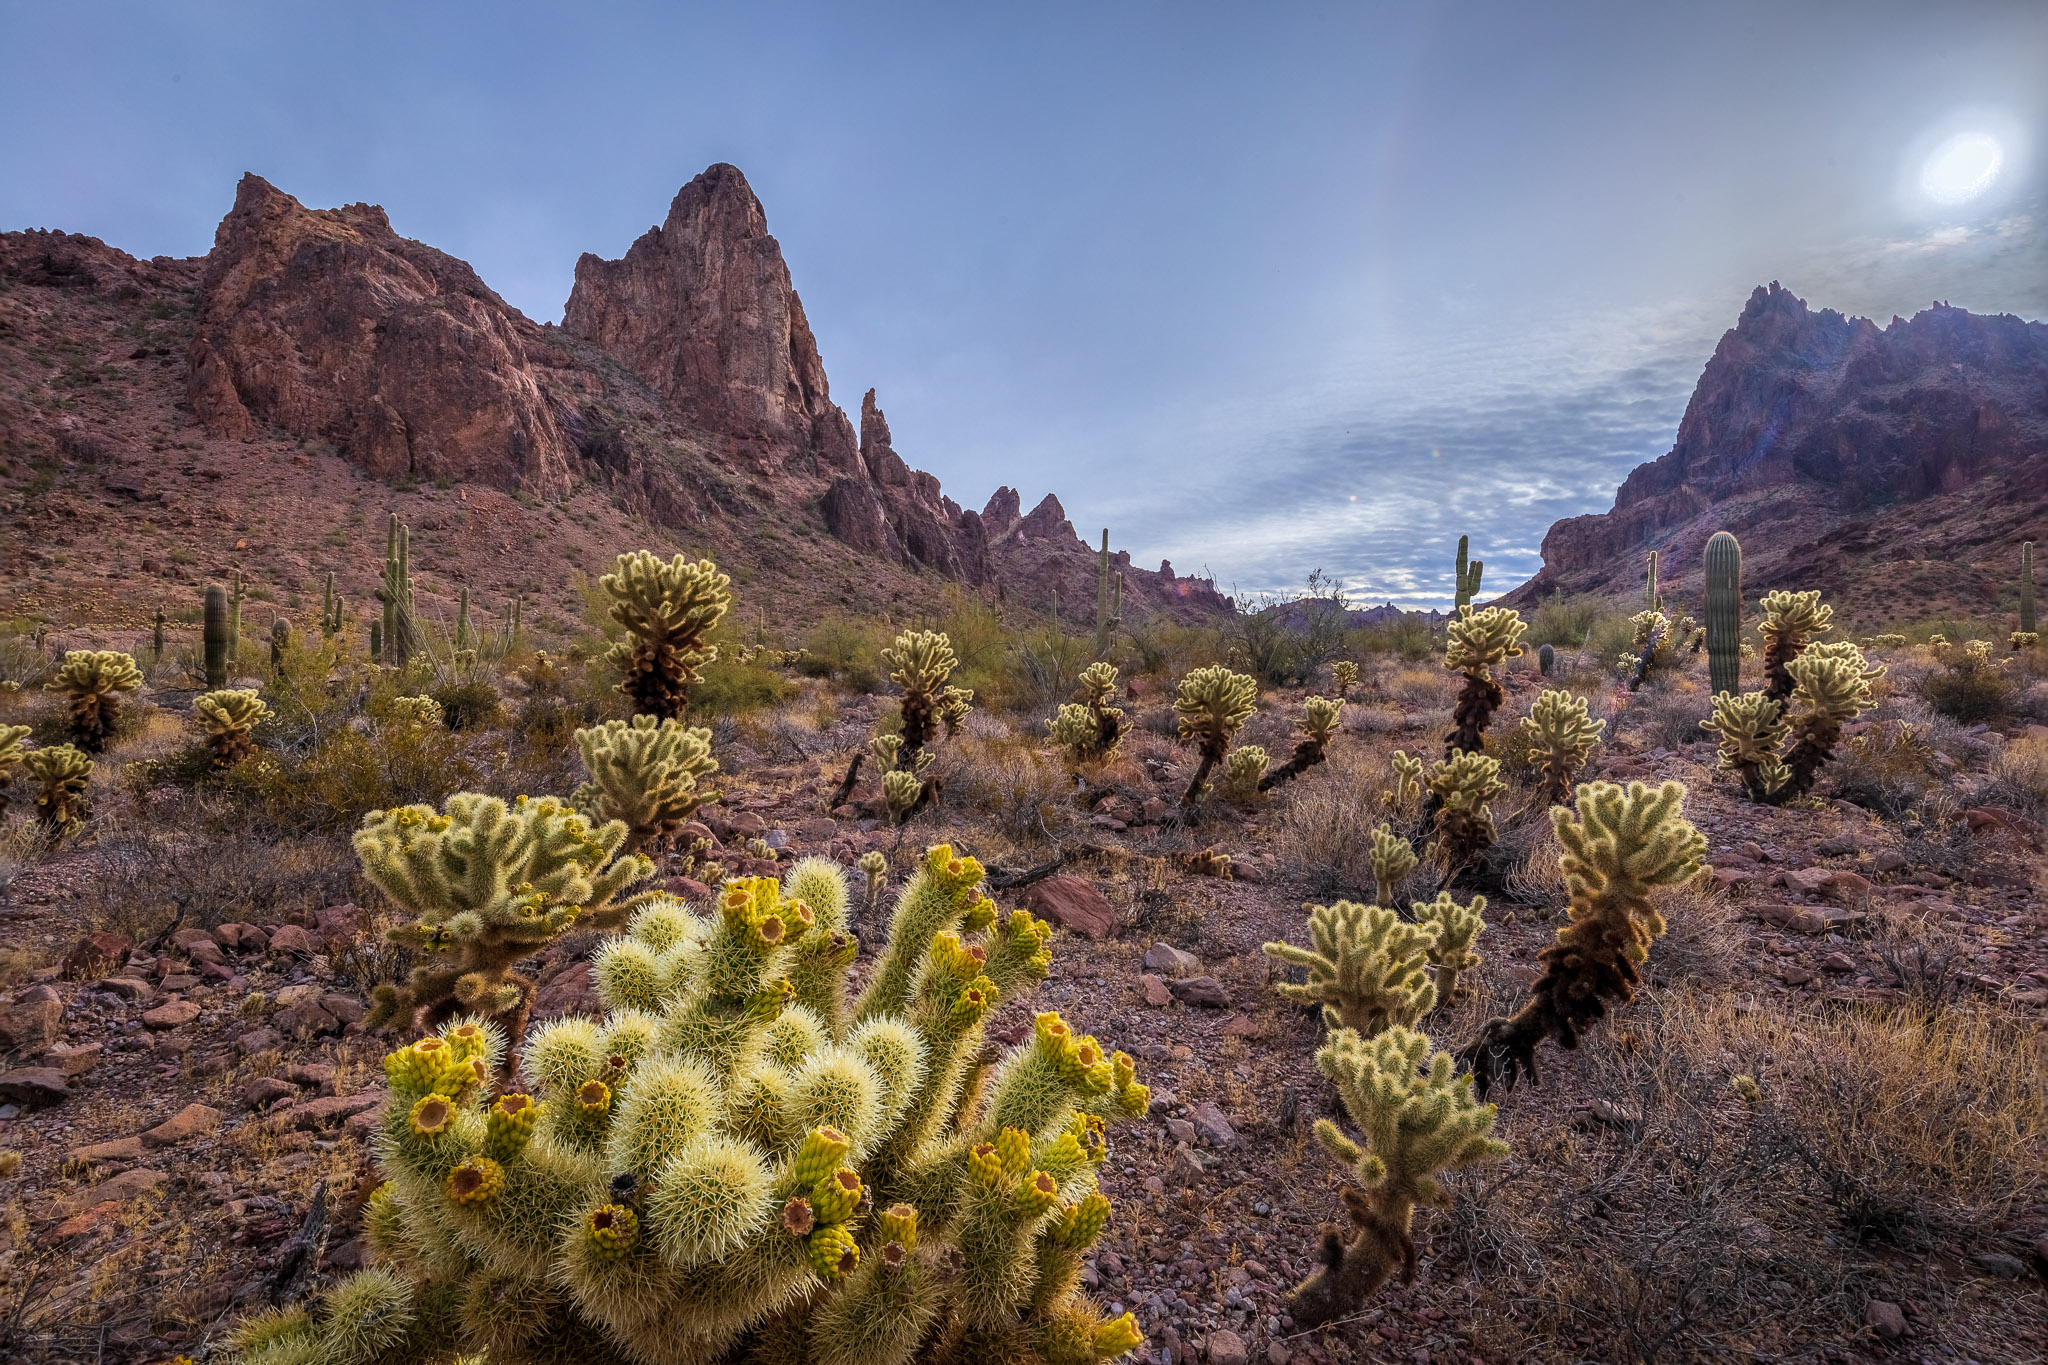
{"x": 611, "y": 1231}
{"x": 822, "y": 1151}
{"x": 593, "y": 1098}
{"x": 1037, "y": 1193}
{"x": 835, "y": 1197}
{"x": 984, "y": 1167}
{"x": 476, "y": 1181}
{"x": 1013, "y": 1149}
{"x": 833, "y": 1252}
{"x": 1083, "y": 1222}
{"x": 508, "y": 1125}
{"x": 1114, "y": 1338}
{"x": 898, "y": 1223}
{"x": 432, "y": 1115}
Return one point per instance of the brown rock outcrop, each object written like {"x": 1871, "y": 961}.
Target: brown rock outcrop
{"x": 333, "y": 327}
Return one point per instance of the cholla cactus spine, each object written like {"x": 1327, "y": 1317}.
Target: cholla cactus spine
{"x": 1369, "y": 970}
{"x": 668, "y": 609}
{"x": 1458, "y": 927}
{"x": 1620, "y": 847}
{"x": 644, "y": 773}
{"x": 1478, "y": 641}
{"x": 11, "y": 749}
{"x": 1791, "y": 621}
{"x": 1561, "y": 738}
{"x": 1092, "y": 728}
{"x": 1393, "y": 858}
{"x": 60, "y": 773}
{"x": 94, "y": 680}
{"x": 228, "y": 719}
{"x": 1407, "y": 781}
{"x": 1463, "y": 785}
{"x": 1212, "y": 705}
{"x": 1724, "y": 613}
{"x": 1420, "y": 1121}
{"x": 875, "y": 866}
{"x": 1244, "y": 769}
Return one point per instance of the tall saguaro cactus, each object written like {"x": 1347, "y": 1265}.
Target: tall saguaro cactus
{"x": 2026, "y": 587}
{"x": 1724, "y": 613}
{"x": 215, "y": 636}
{"x": 1468, "y": 575}
{"x": 401, "y": 633}
{"x": 235, "y": 619}
{"x": 330, "y": 609}
{"x": 1109, "y": 598}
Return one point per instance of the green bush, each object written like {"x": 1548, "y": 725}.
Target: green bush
{"x": 847, "y": 651}
{"x": 471, "y": 704}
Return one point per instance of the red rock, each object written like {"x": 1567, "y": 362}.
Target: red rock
{"x": 1167, "y": 960}
{"x": 1155, "y": 990}
{"x": 1203, "y": 992}
{"x": 96, "y": 953}
{"x": 264, "y": 1091}
{"x": 171, "y": 1014}
{"x": 1997, "y": 819}
{"x": 1074, "y": 904}
{"x": 73, "y": 1061}
{"x": 1244, "y": 1026}
{"x": 194, "y": 1120}
{"x": 94, "y": 1218}
{"x": 34, "y": 1086}
{"x": 334, "y": 1108}
{"x": 130, "y": 988}
{"x": 120, "y": 1149}
{"x": 1885, "y": 1319}
{"x": 33, "y": 1019}
{"x": 339, "y": 924}
{"x": 290, "y": 938}
{"x": 569, "y": 991}
{"x": 132, "y": 1184}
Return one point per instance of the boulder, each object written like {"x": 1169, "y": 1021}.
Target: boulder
{"x": 264, "y": 1091}
{"x": 1211, "y": 1125}
{"x": 171, "y": 1014}
{"x": 194, "y": 1120}
{"x": 1074, "y": 904}
{"x": 1156, "y": 993}
{"x": 73, "y": 1061}
{"x": 1203, "y": 992}
{"x": 105, "y": 1153}
{"x": 290, "y": 938}
{"x": 1167, "y": 960}
{"x": 130, "y": 988}
{"x": 96, "y": 953}
{"x": 33, "y": 1019}
{"x": 34, "y": 1086}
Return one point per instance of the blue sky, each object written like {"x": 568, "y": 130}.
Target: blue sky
{"x": 1261, "y": 288}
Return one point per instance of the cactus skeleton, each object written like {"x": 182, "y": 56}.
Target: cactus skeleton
{"x": 1619, "y": 847}
{"x": 738, "y": 1164}
{"x": 668, "y": 608}
{"x": 1479, "y": 640}
{"x": 1211, "y": 706}
{"x": 93, "y": 680}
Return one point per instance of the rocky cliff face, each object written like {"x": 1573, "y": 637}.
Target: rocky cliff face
{"x": 1827, "y": 443}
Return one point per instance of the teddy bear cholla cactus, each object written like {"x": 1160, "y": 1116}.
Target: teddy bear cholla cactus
{"x": 93, "y": 680}
{"x": 1831, "y": 687}
{"x": 1619, "y": 848}
{"x": 227, "y": 719}
{"x": 1419, "y": 1122}
{"x": 1091, "y": 728}
{"x": 1211, "y": 707}
{"x": 921, "y": 661}
{"x": 1791, "y": 620}
{"x": 1319, "y": 716}
{"x": 1477, "y": 641}
{"x": 1343, "y": 677}
{"x": 60, "y": 773}
{"x": 1244, "y": 771}
{"x": 643, "y": 773}
{"x": 738, "y": 1163}
{"x": 1369, "y": 969}
{"x": 1458, "y": 928}
{"x": 490, "y": 884}
{"x": 11, "y": 750}
{"x": 669, "y": 608}
{"x": 1560, "y": 737}
{"x": 1393, "y": 858}
{"x": 1462, "y": 786}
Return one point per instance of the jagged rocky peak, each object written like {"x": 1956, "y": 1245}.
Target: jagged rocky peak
{"x": 702, "y": 308}
{"x": 328, "y": 324}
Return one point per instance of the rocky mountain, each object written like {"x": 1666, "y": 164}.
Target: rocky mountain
{"x": 1897, "y": 468}
{"x": 684, "y": 390}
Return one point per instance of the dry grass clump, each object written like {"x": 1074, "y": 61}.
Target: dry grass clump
{"x": 1424, "y": 689}
{"x": 1665, "y": 714}
{"x": 1009, "y": 784}
{"x": 1324, "y": 825}
{"x": 161, "y": 868}
{"x": 2019, "y": 777}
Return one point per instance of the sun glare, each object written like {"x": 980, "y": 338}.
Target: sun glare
{"x": 1962, "y": 168}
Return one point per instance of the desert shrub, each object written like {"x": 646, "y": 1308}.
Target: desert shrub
{"x": 728, "y": 687}
{"x": 846, "y": 650}
{"x": 351, "y": 774}
{"x": 1566, "y": 622}
{"x": 1014, "y": 786}
{"x": 1972, "y": 685}
{"x": 2019, "y": 777}
{"x": 1049, "y": 667}
{"x": 1167, "y": 649}
{"x": 472, "y": 704}
{"x": 1889, "y": 768}
{"x": 164, "y": 871}
{"x": 1270, "y": 647}
{"x": 1609, "y": 638}
{"x": 1406, "y": 637}
{"x": 1665, "y": 715}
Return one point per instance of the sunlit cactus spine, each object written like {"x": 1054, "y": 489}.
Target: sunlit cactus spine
{"x": 215, "y": 635}
{"x": 1791, "y": 621}
{"x": 227, "y": 720}
{"x": 1479, "y": 641}
{"x": 93, "y": 681}
{"x": 668, "y": 608}
{"x": 1724, "y": 613}
{"x": 1318, "y": 726}
{"x": 875, "y": 867}
{"x": 60, "y": 773}
{"x": 903, "y": 795}
{"x": 1393, "y": 858}
{"x": 1458, "y": 928}
{"x": 1420, "y": 1122}
{"x": 12, "y": 748}
{"x": 1620, "y": 848}
{"x": 1211, "y": 706}
{"x": 1408, "y": 781}
{"x": 644, "y": 773}
{"x": 1467, "y": 576}
{"x": 1560, "y": 737}
{"x": 1343, "y": 677}
{"x": 1368, "y": 969}
{"x": 737, "y": 1163}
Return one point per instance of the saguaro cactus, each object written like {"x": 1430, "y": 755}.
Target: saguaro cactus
{"x": 280, "y": 641}
{"x": 214, "y": 636}
{"x": 1652, "y": 599}
{"x": 330, "y": 609}
{"x": 401, "y": 623}
{"x": 1420, "y": 1122}
{"x": 1546, "y": 660}
{"x": 235, "y": 619}
{"x": 1479, "y": 640}
{"x": 1724, "y": 613}
{"x": 1467, "y": 576}
{"x": 60, "y": 773}
{"x": 93, "y": 680}
{"x": 1109, "y": 598}
{"x": 644, "y": 773}
{"x": 1368, "y": 970}
{"x": 2027, "y": 588}
{"x": 1212, "y": 706}
{"x": 1619, "y": 848}
{"x": 228, "y": 719}
{"x": 669, "y": 608}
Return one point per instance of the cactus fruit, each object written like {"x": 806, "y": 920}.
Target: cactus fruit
{"x": 1091, "y": 729}
{"x": 214, "y": 636}
{"x": 1369, "y": 969}
{"x": 2027, "y": 626}
{"x": 1724, "y": 613}
{"x": 1458, "y": 926}
{"x": 1619, "y": 847}
{"x": 227, "y": 719}
{"x": 1467, "y": 576}
{"x": 1546, "y": 660}
{"x": 1393, "y": 858}
{"x": 93, "y": 680}
{"x": 1791, "y": 621}
{"x": 1211, "y": 707}
{"x": 730, "y": 1177}
{"x": 60, "y": 773}
{"x": 1420, "y": 1122}
{"x": 1318, "y": 726}
{"x": 1244, "y": 769}
{"x": 669, "y": 608}
{"x": 1478, "y": 640}
{"x": 1462, "y": 786}
{"x": 645, "y": 774}
{"x": 920, "y": 662}
{"x": 1343, "y": 677}
{"x": 11, "y": 750}
{"x": 490, "y": 884}
{"x": 1560, "y": 737}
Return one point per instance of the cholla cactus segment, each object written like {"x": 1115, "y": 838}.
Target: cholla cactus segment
{"x": 11, "y": 751}
{"x": 669, "y": 608}
{"x": 1831, "y": 687}
{"x": 1561, "y": 738}
{"x": 1463, "y": 785}
{"x": 875, "y": 865}
{"x": 417, "y": 713}
{"x": 1620, "y": 847}
{"x": 1791, "y": 621}
{"x": 1752, "y": 728}
{"x": 1091, "y": 729}
{"x": 1368, "y": 970}
{"x": 1419, "y": 1122}
{"x": 490, "y": 884}
{"x": 902, "y": 793}
{"x": 1458, "y": 927}
{"x": 1407, "y": 781}
{"x": 920, "y": 663}
{"x": 228, "y": 719}
{"x": 60, "y": 773}
{"x": 93, "y": 680}
{"x": 1344, "y": 677}
{"x": 644, "y": 773}
{"x": 1478, "y": 641}
{"x": 1212, "y": 706}
{"x": 2024, "y": 639}
{"x": 1393, "y": 858}
{"x": 1242, "y": 770}
{"x": 1318, "y": 727}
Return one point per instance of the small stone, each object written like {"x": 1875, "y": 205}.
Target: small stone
{"x": 1185, "y": 1168}
{"x": 1180, "y": 1130}
{"x": 291, "y": 997}
{"x": 1243, "y": 1026}
{"x": 1167, "y": 960}
{"x": 96, "y": 953}
{"x": 194, "y": 1120}
{"x": 1203, "y": 992}
{"x": 2000, "y": 1265}
{"x": 1885, "y": 1319}
{"x": 1227, "y": 1348}
{"x": 34, "y": 1086}
{"x": 259, "y": 1040}
{"x": 1212, "y": 1126}
{"x": 343, "y": 1007}
{"x": 1611, "y": 1114}
{"x": 1793, "y": 974}
{"x": 290, "y": 938}
{"x": 1843, "y": 885}
{"x": 171, "y": 1014}
{"x": 78, "y": 1224}
{"x": 130, "y": 988}
{"x": 1838, "y": 962}
{"x": 73, "y": 1061}
{"x": 33, "y": 1020}
{"x": 1156, "y": 993}
{"x": 312, "y": 1075}
{"x": 131, "y": 1184}
{"x": 265, "y": 1091}
{"x": 1277, "y": 1354}
{"x": 818, "y": 830}
{"x": 1074, "y": 904}
{"x": 305, "y": 1021}
{"x": 315, "y": 1113}
{"x": 1811, "y": 880}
